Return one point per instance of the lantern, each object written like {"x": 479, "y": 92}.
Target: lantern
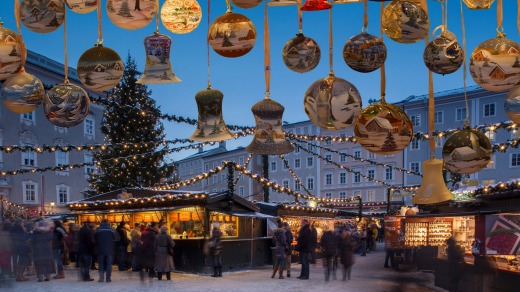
{"x": 158, "y": 69}
{"x": 433, "y": 188}
{"x": 332, "y": 103}
{"x": 364, "y": 52}
{"x": 316, "y": 5}
{"x": 181, "y": 16}
{"x": 478, "y": 4}
{"x": 383, "y": 128}
{"x": 444, "y": 54}
{"x": 210, "y": 125}
{"x": 282, "y": 2}
{"x": 22, "y": 93}
{"x": 512, "y": 105}
{"x": 269, "y": 137}
{"x": 301, "y": 54}
{"x": 100, "y": 68}
{"x": 66, "y": 105}
{"x": 12, "y": 52}
{"x": 495, "y": 64}
{"x": 82, "y": 6}
{"x": 246, "y": 3}
{"x": 42, "y": 16}
{"x": 467, "y": 151}
{"x": 131, "y": 14}
{"x": 405, "y": 22}
{"x": 232, "y": 35}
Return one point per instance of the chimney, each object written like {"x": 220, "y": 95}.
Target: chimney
{"x": 201, "y": 149}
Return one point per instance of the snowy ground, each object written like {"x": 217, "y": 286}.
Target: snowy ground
{"x": 368, "y": 274}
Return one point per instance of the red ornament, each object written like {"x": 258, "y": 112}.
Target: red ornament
{"x": 316, "y": 5}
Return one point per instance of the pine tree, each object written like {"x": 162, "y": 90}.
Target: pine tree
{"x": 110, "y": 6}
{"x": 54, "y": 22}
{"x": 124, "y": 10}
{"x": 389, "y": 145}
{"x": 226, "y": 42}
{"x": 14, "y": 53}
{"x": 123, "y": 122}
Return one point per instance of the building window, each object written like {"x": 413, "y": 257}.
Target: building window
{"x": 343, "y": 178}
{"x": 515, "y": 159}
{"x": 328, "y": 158}
{"x": 342, "y": 195}
{"x": 371, "y": 173}
{"x": 328, "y": 142}
{"x": 297, "y": 186}
{"x": 30, "y": 192}
{"x": 460, "y": 114}
{"x": 273, "y": 165}
{"x": 343, "y": 156}
{"x": 357, "y": 177}
{"x": 241, "y": 160}
{"x": 89, "y": 169}
{"x": 241, "y": 191}
{"x": 438, "y": 141}
{"x": 415, "y": 166}
{"x": 206, "y": 167}
{"x": 297, "y": 163}
{"x": 29, "y": 117}
{"x": 310, "y": 147}
{"x": 297, "y": 150}
{"x": 515, "y": 134}
{"x": 488, "y": 182}
{"x": 389, "y": 174}
{"x": 438, "y": 117}
{"x": 285, "y": 183}
{"x": 215, "y": 179}
{"x": 489, "y": 109}
{"x": 415, "y": 144}
{"x": 490, "y": 134}
{"x": 328, "y": 195}
{"x": 416, "y": 120}
{"x": 371, "y": 155}
{"x": 370, "y": 196}
{"x": 62, "y": 158}
{"x": 328, "y": 179}
{"x": 29, "y": 157}
{"x": 214, "y": 165}
{"x": 310, "y": 161}
{"x": 62, "y": 192}
{"x": 222, "y": 178}
{"x": 89, "y": 127}
{"x": 356, "y": 193}
{"x": 310, "y": 184}
{"x": 285, "y": 164}
{"x": 357, "y": 153}
{"x": 491, "y": 163}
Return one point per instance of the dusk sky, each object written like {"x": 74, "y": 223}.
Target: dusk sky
{"x": 242, "y": 79}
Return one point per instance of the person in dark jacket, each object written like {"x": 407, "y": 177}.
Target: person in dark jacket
{"x": 122, "y": 247}
{"x": 41, "y": 243}
{"x": 314, "y": 244}
{"x": 281, "y": 247}
{"x": 21, "y": 248}
{"x": 289, "y": 238}
{"x": 58, "y": 245}
{"x": 215, "y": 251}
{"x": 163, "y": 242}
{"x": 104, "y": 238}
{"x": 148, "y": 249}
{"x": 85, "y": 250}
{"x": 455, "y": 264}
{"x": 304, "y": 247}
{"x": 329, "y": 243}
{"x": 347, "y": 245}
{"x": 136, "y": 243}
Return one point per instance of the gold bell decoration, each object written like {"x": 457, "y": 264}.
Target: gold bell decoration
{"x": 467, "y": 151}
{"x": 478, "y": 4}
{"x": 158, "y": 69}
{"x": 433, "y": 189}
{"x": 512, "y": 105}
{"x": 282, "y": 2}
{"x": 210, "y": 125}
{"x": 405, "y": 21}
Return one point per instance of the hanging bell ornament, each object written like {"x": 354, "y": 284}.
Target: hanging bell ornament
{"x": 478, "y": 4}
{"x": 246, "y": 3}
{"x": 443, "y": 55}
{"x": 100, "y": 68}
{"x": 269, "y": 137}
{"x": 467, "y": 151}
{"x": 301, "y": 54}
{"x": 22, "y": 93}
{"x": 232, "y": 35}
{"x": 332, "y": 103}
{"x": 282, "y": 2}
{"x": 364, "y": 52}
{"x": 405, "y": 22}
{"x": 495, "y": 64}
{"x": 82, "y": 6}
{"x": 42, "y": 16}
{"x": 181, "y": 16}
{"x": 158, "y": 69}
{"x": 383, "y": 128}
{"x": 66, "y": 105}
{"x": 131, "y": 14}
{"x": 210, "y": 124}
{"x": 316, "y": 5}
{"x": 512, "y": 105}
{"x": 433, "y": 189}
{"x": 12, "y": 52}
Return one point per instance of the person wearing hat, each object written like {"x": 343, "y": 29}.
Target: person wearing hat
{"x": 85, "y": 250}
{"x": 41, "y": 243}
{"x": 304, "y": 247}
{"x": 105, "y": 237}
{"x": 122, "y": 247}
{"x": 21, "y": 248}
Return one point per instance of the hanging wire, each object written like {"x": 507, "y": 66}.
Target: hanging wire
{"x": 300, "y": 16}
{"x": 465, "y": 73}
{"x": 383, "y": 69}
{"x": 65, "y": 48}
{"x": 500, "y": 18}
{"x": 100, "y": 24}
{"x": 365, "y": 16}
{"x": 229, "y": 7}
{"x": 157, "y": 17}
{"x": 331, "y": 60}
{"x": 267, "y": 54}
{"x": 207, "y": 44}
{"x": 19, "y": 37}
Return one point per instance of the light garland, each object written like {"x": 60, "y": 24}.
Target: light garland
{"x": 8, "y": 212}
{"x": 245, "y": 165}
{"x": 309, "y": 209}
{"x": 297, "y": 179}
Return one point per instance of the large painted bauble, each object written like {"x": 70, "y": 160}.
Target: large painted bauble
{"x": 443, "y": 55}
{"x": 22, "y": 93}
{"x": 181, "y": 16}
{"x": 131, "y": 14}
{"x": 246, "y": 3}
{"x": 512, "y": 105}
{"x": 478, "y": 4}
{"x": 66, "y": 105}
{"x": 383, "y": 128}
{"x": 301, "y": 54}
{"x": 467, "y": 151}
{"x": 232, "y": 35}
{"x": 12, "y": 52}
{"x": 405, "y": 22}
{"x": 100, "y": 68}
{"x": 332, "y": 103}
{"x": 82, "y": 6}
{"x": 495, "y": 64}
{"x": 42, "y": 16}
{"x": 364, "y": 52}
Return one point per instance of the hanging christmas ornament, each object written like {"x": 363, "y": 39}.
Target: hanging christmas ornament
{"x": 42, "y": 16}
{"x": 443, "y": 55}
{"x": 131, "y": 14}
{"x": 66, "y": 105}
{"x": 22, "y": 93}
{"x": 405, "y": 22}
{"x": 158, "y": 68}
{"x": 181, "y": 16}
{"x": 316, "y": 5}
{"x": 232, "y": 35}
{"x": 512, "y": 105}
{"x": 301, "y": 54}
{"x": 478, "y": 4}
{"x": 100, "y": 68}
{"x": 433, "y": 189}
{"x": 364, "y": 52}
{"x": 12, "y": 52}
{"x": 467, "y": 151}
{"x": 383, "y": 128}
{"x": 82, "y": 6}
{"x": 246, "y": 3}
{"x": 282, "y": 2}
{"x": 210, "y": 124}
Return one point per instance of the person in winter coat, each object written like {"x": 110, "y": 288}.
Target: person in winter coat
{"x": 455, "y": 264}
{"x": 304, "y": 247}
{"x": 215, "y": 251}
{"x": 347, "y": 245}
{"x": 41, "y": 243}
{"x": 163, "y": 242}
{"x": 5, "y": 247}
{"x": 122, "y": 246}
{"x": 136, "y": 244}
{"x": 71, "y": 242}
{"x": 289, "y": 238}
{"x": 21, "y": 249}
{"x": 58, "y": 246}
{"x": 85, "y": 250}
{"x": 280, "y": 250}
{"x": 314, "y": 244}
{"x": 329, "y": 244}
{"x": 104, "y": 238}
{"x": 148, "y": 248}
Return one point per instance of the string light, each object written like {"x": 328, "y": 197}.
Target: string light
{"x": 293, "y": 174}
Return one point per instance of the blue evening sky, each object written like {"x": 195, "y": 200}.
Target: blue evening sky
{"x": 242, "y": 79}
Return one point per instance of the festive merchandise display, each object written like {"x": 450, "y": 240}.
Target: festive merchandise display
{"x": 158, "y": 68}
{"x": 181, "y": 16}
{"x": 232, "y": 35}
{"x": 100, "y": 68}
{"x": 42, "y": 16}
{"x": 66, "y": 105}
{"x": 444, "y": 55}
{"x": 405, "y": 22}
{"x": 246, "y": 3}
{"x": 131, "y": 14}
{"x": 12, "y": 52}
{"x": 364, "y": 52}
{"x": 282, "y": 2}
{"x": 467, "y": 151}
{"x": 478, "y": 4}
{"x": 512, "y": 105}
{"x": 210, "y": 125}
{"x": 301, "y": 54}
{"x": 82, "y": 6}
{"x": 22, "y": 93}
{"x": 316, "y": 5}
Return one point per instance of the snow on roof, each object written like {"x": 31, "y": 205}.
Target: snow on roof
{"x": 446, "y": 93}
{"x": 464, "y": 150}
{"x": 382, "y": 122}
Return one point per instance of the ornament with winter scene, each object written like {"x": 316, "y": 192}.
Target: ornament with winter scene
{"x": 131, "y": 14}
{"x": 42, "y": 16}
{"x": 246, "y": 3}
{"x": 443, "y": 55}
{"x": 12, "y": 52}
{"x": 100, "y": 68}
{"x": 301, "y": 54}
{"x": 512, "y": 105}
{"x": 232, "y": 35}
{"x": 158, "y": 68}
{"x": 181, "y": 16}
{"x": 467, "y": 151}
{"x": 495, "y": 64}
{"x": 332, "y": 103}
{"x": 383, "y": 128}
{"x": 478, "y": 4}
{"x": 22, "y": 93}
{"x": 66, "y": 105}
{"x": 210, "y": 124}
{"x": 364, "y": 52}
{"x": 405, "y": 22}
{"x": 82, "y": 6}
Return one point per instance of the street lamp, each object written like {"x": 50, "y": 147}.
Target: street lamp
{"x": 52, "y": 206}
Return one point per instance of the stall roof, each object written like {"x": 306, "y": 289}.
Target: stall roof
{"x": 126, "y": 193}
{"x": 455, "y": 214}
{"x": 295, "y": 210}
